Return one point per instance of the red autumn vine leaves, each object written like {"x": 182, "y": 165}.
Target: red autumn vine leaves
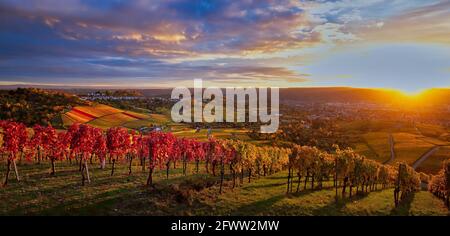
{"x": 82, "y": 144}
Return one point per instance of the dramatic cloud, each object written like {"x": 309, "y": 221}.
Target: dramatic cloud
{"x": 156, "y": 43}
{"x": 427, "y": 24}
{"x": 152, "y": 28}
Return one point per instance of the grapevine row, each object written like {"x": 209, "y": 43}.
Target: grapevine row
{"x": 349, "y": 171}
{"x": 83, "y": 143}
{"x": 439, "y": 184}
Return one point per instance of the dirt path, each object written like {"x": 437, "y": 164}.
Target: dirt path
{"x": 391, "y": 145}
{"x": 425, "y": 156}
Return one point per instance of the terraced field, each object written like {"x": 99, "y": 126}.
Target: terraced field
{"x": 104, "y": 117}
{"x": 97, "y": 110}
{"x": 75, "y": 117}
{"x": 112, "y": 120}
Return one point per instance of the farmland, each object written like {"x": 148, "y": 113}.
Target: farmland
{"x": 434, "y": 163}
{"x": 105, "y": 117}
{"x": 410, "y": 142}
{"x": 375, "y": 146}
{"x": 409, "y": 147}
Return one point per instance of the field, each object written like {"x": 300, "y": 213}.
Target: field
{"x": 97, "y": 110}
{"x": 40, "y": 194}
{"x": 217, "y": 133}
{"x": 149, "y": 120}
{"x": 434, "y": 163}
{"x": 431, "y": 130}
{"x": 375, "y": 146}
{"x": 409, "y": 147}
{"x": 116, "y": 119}
{"x": 103, "y": 116}
{"x": 365, "y": 126}
{"x": 410, "y": 141}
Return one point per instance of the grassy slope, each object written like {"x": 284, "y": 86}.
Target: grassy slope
{"x": 40, "y": 194}
{"x": 267, "y": 197}
{"x": 378, "y": 142}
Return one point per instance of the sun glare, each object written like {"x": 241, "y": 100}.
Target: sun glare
{"x": 412, "y": 94}
{"x": 418, "y": 97}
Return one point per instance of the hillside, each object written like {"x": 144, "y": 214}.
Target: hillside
{"x": 35, "y": 106}
{"x": 103, "y": 116}
{"x": 439, "y": 96}
{"x": 40, "y": 194}
{"x": 407, "y": 143}
{"x": 355, "y": 95}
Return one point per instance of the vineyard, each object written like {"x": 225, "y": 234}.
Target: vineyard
{"x": 104, "y": 116}
{"x": 85, "y": 149}
{"x": 84, "y": 145}
{"x": 440, "y": 184}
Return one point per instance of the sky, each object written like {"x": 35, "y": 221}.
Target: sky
{"x": 392, "y": 44}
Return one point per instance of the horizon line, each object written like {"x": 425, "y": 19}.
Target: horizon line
{"x": 115, "y": 87}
